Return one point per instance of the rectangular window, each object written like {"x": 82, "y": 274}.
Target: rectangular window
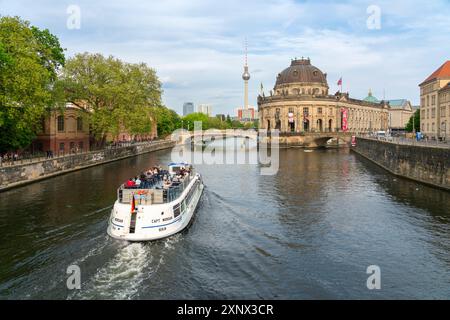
{"x": 319, "y": 110}
{"x": 79, "y": 124}
{"x": 176, "y": 210}
{"x": 305, "y": 112}
{"x": 80, "y": 145}
{"x": 72, "y": 146}
{"x": 61, "y": 146}
{"x": 60, "y": 123}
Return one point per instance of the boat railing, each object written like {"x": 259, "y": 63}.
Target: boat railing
{"x": 155, "y": 195}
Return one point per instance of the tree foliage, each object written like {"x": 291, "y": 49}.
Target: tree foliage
{"x": 414, "y": 122}
{"x": 167, "y": 119}
{"x": 29, "y": 62}
{"x": 119, "y": 95}
{"x": 215, "y": 122}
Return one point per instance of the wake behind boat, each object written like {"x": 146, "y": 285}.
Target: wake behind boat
{"x": 157, "y": 204}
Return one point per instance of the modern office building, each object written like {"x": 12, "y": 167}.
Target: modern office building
{"x": 205, "y": 109}
{"x": 188, "y": 107}
{"x": 246, "y": 114}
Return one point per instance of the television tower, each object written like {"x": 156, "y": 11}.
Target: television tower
{"x": 246, "y": 77}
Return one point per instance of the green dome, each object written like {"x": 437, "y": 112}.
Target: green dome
{"x": 371, "y": 98}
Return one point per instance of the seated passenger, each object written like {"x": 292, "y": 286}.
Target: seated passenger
{"x": 130, "y": 183}
{"x": 166, "y": 183}
{"x": 137, "y": 182}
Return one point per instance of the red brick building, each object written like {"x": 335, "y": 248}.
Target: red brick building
{"x": 64, "y": 133}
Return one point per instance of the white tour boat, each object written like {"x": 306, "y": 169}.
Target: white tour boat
{"x": 160, "y": 207}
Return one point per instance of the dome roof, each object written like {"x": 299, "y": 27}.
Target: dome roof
{"x": 371, "y": 98}
{"x": 301, "y": 71}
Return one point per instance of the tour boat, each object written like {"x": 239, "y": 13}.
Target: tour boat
{"x": 160, "y": 207}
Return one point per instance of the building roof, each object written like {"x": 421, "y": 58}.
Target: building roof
{"x": 397, "y": 102}
{"x": 371, "y": 98}
{"x": 301, "y": 70}
{"x": 442, "y": 72}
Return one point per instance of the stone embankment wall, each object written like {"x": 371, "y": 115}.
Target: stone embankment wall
{"x": 16, "y": 175}
{"x": 426, "y": 164}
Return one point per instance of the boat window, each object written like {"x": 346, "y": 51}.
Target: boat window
{"x": 176, "y": 210}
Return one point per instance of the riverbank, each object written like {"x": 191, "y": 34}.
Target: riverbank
{"x": 21, "y": 174}
{"x": 425, "y": 164}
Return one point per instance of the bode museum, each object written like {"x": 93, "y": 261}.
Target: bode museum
{"x": 300, "y": 103}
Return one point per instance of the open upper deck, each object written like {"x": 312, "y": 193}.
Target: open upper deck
{"x": 166, "y": 186}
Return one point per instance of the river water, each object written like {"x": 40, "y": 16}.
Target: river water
{"x": 308, "y": 232}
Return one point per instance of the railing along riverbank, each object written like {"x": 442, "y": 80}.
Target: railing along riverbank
{"x": 27, "y": 172}
{"x": 27, "y": 158}
{"x": 410, "y": 141}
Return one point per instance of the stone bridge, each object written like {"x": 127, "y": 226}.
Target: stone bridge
{"x": 315, "y": 139}
{"x": 215, "y": 134}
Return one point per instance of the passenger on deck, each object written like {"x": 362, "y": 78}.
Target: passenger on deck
{"x": 130, "y": 183}
{"x": 137, "y": 182}
{"x": 166, "y": 184}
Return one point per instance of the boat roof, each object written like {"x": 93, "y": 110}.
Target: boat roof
{"x": 176, "y": 164}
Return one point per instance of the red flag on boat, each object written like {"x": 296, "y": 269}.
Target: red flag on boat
{"x": 339, "y": 83}
{"x": 133, "y": 205}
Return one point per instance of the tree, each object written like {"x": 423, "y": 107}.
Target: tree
{"x": 167, "y": 119}
{"x": 197, "y": 116}
{"x": 119, "y": 95}
{"x": 414, "y": 122}
{"x": 29, "y": 62}
{"x": 228, "y": 121}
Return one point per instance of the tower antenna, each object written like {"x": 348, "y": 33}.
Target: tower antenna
{"x": 245, "y": 50}
{"x": 245, "y": 76}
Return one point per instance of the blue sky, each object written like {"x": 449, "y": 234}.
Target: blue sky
{"x": 196, "y": 46}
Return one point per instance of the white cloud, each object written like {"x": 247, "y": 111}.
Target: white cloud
{"x": 196, "y": 46}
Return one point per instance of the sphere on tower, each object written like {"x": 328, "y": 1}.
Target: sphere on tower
{"x": 246, "y": 74}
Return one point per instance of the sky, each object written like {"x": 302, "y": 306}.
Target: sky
{"x": 197, "y": 46}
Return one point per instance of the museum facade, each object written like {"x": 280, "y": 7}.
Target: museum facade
{"x": 300, "y": 103}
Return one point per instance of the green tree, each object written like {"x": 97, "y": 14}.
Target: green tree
{"x": 119, "y": 96}
{"x": 197, "y": 116}
{"x": 29, "y": 62}
{"x": 235, "y": 124}
{"x": 229, "y": 123}
{"x": 167, "y": 119}
{"x": 414, "y": 122}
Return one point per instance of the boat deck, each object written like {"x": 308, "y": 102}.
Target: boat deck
{"x": 155, "y": 190}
